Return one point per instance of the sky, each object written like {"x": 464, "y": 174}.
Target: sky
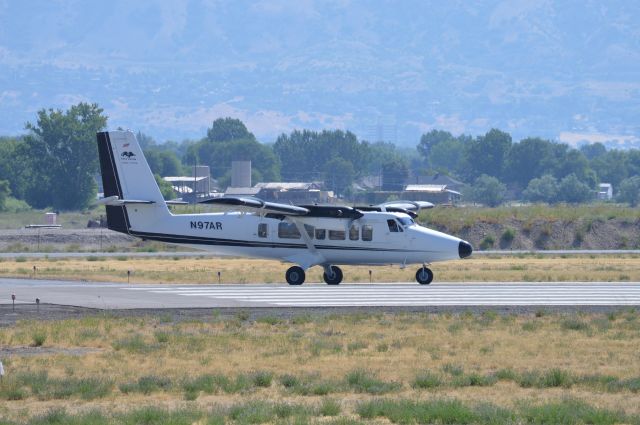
{"x": 391, "y": 70}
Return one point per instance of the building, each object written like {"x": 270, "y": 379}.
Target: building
{"x": 285, "y": 192}
{"x": 605, "y": 191}
{"x": 199, "y": 185}
{"x": 440, "y": 179}
{"x": 434, "y": 193}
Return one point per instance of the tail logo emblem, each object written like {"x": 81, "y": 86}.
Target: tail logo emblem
{"x": 128, "y": 155}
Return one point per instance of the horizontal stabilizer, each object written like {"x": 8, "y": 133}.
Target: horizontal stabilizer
{"x": 258, "y": 205}
{"x": 115, "y": 200}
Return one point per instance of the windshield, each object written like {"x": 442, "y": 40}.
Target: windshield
{"x": 406, "y": 221}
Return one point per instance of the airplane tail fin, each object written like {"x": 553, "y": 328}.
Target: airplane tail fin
{"x": 127, "y": 179}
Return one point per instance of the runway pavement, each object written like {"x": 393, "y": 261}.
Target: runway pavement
{"x": 124, "y": 296}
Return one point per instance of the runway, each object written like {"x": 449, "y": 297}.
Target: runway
{"x": 124, "y": 296}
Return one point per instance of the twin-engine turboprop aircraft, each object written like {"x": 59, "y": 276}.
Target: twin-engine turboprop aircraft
{"x": 305, "y": 235}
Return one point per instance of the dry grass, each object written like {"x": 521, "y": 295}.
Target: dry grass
{"x": 204, "y": 270}
{"x": 389, "y": 350}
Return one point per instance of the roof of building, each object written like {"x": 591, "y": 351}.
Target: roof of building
{"x": 183, "y": 179}
{"x": 238, "y": 191}
{"x": 431, "y": 188}
{"x": 287, "y": 186}
{"x": 439, "y": 179}
{"x": 604, "y": 185}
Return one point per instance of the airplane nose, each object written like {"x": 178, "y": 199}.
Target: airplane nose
{"x": 464, "y": 249}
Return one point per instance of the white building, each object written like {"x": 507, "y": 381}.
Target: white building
{"x": 605, "y": 191}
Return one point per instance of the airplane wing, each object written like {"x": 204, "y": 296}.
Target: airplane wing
{"x": 257, "y": 205}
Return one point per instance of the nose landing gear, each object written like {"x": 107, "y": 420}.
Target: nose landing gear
{"x": 424, "y": 275}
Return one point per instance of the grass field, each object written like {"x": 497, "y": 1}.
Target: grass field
{"x": 357, "y": 368}
{"x": 528, "y": 268}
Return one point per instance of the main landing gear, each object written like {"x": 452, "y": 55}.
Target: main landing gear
{"x": 424, "y": 275}
{"x": 295, "y": 275}
{"x": 332, "y": 275}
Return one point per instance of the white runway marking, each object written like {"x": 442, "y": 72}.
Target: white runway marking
{"x": 413, "y": 294}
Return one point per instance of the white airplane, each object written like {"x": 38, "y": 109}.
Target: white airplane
{"x": 306, "y": 235}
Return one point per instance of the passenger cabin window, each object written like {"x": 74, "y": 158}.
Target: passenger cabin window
{"x": 309, "y": 230}
{"x": 367, "y": 232}
{"x": 321, "y": 234}
{"x": 262, "y": 230}
{"x": 288, "y": 231}
{"x": 354, "y": 233}
{"x": 393, "y": 226}
{"x": 336, "y": 235}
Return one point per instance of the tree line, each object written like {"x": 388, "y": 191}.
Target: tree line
{"x": 55, "y": 164}
{"x": 533, "y": 169}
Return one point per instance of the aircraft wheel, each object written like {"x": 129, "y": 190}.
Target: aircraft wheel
{"x": 336, "y": 277}
{"x": 295, "y": 275}
{"x": 424, "y": 276}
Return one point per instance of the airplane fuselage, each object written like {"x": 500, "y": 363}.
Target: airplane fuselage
{"x": 375, "y": 238}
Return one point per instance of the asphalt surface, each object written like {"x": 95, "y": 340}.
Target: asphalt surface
{"x": 182, "y": 254}
{"x": 136, "y": 296}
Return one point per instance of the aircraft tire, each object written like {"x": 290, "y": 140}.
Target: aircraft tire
{"x": 335, "y": 279}
{"x": 295, "y": 275}
{"x": 424, "y": 276}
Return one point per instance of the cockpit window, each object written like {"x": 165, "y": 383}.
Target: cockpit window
{"x": 407, "y": 221}
{"x": 393, "y": 226}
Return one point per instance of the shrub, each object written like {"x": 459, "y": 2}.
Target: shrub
{"x": 453, "y": 370}
{"x": 508, "y": 235}
{"x": 39, "y": 337}
{"x": 487, "y": 242}
{"x": 573, "y": 324}
{"x": 426, "y": 379}
{"x": 329, "y": 407}
{"x": 364, "y": 382}
{"x": 261, "y": 378}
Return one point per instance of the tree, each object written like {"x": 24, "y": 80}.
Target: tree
{"x": 395, "y": 173}
{"x": 219, "y": 156}
{"x": 165, "y": 187}
{"x": 5, "y": 191}
{"x": 486, "y": 190}
{"x": 573, "y": 191}
{"x": 543, "y": 189}
{"x": 629, "y": 191}
{"x": 339, "y": 175}
{"x": 304, "y": 154}
{"x": 227, "y": 129}
{"x": 165, "y": 163}
{"x": 612, "y": 167}
{"x": 593, "y": 150}
{"x": 447, "y": 156}
{"x": 486, "y": 154}
{"x": 574, "y": 162}
{"x": 15, "y": 165}
{"x": 526, "y": 160}
{"x": 63, "y": 154}
{"x": 431, "y": 139}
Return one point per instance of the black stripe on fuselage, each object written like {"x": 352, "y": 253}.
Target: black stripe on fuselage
{"x": 198, "y": 240}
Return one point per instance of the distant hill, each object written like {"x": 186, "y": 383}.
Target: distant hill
{"x": 563, "y": 70}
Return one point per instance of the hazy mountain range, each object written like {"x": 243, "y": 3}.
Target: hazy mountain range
{"x": 565, "y": 70}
